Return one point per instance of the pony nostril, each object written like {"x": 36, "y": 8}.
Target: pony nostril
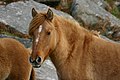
{"x": 31, "y": 60}
{"x": 38, "y": 59}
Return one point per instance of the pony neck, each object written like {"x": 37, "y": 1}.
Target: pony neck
{"x": 70, "y": 34}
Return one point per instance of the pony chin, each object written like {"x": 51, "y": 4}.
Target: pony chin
{"x": 36, "y": 66}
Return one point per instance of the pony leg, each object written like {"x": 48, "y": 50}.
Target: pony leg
{"x": 32, "y": 76}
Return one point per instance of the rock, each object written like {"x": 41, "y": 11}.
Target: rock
{"x": 7, "y": 29}
{"x": 18, "y": 14}
{"x": 103, "y": 4}
{"x": 86, "y": 10}
{"x": 100, "y": 3}
{"x": 46, "y": 72}
{"x": 94, "y": 17}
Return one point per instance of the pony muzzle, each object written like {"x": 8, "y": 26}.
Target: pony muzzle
{"x": 36, "y": 63}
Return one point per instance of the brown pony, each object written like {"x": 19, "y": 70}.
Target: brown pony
{"x": 14, "y": 61}
{"x": 76, "y": 53}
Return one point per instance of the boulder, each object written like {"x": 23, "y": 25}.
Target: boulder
{"x": 18, "y": 14}
{"x": 7, "y": 29}
{"x": 94, "y": 17}
{"x": 101, "y": 3}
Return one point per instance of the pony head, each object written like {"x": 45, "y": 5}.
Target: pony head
{"x": 44, "y": 35}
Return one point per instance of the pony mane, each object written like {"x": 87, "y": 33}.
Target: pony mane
{"x": 66, "y": 20}
{"x": 36, "y": 22}
{"x": 40, "y": 18}
{"x": 74, "y": 24}
{"x": 71, "y": 23}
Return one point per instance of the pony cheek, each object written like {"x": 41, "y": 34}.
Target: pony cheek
{"x": 53, "y": 44}
{"x": 47, "y": 51}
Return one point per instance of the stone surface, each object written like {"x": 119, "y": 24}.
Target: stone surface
{"x": 88, "y": 11}
{"x": 93, "y": 16}
{"x": 19, "y": 16}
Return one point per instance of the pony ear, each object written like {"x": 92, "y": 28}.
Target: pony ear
{"x": 34, "y": 12}
{"x": 49, "y": 14}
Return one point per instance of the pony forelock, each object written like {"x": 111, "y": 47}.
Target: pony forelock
{"x": 35, "y": 23}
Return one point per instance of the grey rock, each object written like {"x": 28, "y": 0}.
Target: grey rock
{"x": 88, "y": 11}
{"x": 100, "y": 3}
{"x": 91, "y": 14}
{"x": 46, "y": 72}
{"x": 18, "y": 14}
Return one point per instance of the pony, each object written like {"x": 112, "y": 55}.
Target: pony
{"x": 77, "y": 53}
{"x": 14, "y": 61}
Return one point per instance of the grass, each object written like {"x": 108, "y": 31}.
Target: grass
{"x": 115, "y": 11}
{"x": 7, "y": 33}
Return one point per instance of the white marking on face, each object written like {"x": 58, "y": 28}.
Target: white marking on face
{"x": 37, "y": 39}
{"x": 39, "y": 30}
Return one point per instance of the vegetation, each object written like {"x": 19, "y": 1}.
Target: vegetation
{"x": 116, "y": 12}
{"x": 6, "y": 33}
{"x": 114, "y": 9}
{"x": 8, "y": 30}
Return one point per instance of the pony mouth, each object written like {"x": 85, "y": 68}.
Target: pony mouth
{"x": 36, "y": 66}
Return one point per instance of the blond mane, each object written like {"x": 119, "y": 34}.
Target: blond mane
{"x": 36, "y": 22}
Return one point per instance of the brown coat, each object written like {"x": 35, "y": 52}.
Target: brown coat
{"x": 14, "y": 63}
{"x": 81, "y": 55}
{"x": 77, "y": 53}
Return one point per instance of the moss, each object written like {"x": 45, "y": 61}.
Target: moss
{"x": 7, "y": 33}
{"x": 115, "y": 11}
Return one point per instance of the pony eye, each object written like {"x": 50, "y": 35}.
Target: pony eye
{"x": 48, "y": 33}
